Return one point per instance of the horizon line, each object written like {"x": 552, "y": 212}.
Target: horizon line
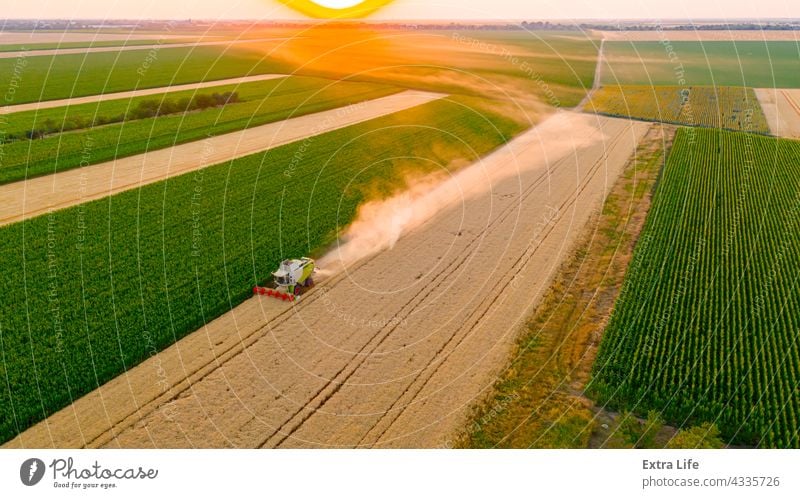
{"x": 361, "y": 20}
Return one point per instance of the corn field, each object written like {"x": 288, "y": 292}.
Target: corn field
{"x": 707, "y": 324}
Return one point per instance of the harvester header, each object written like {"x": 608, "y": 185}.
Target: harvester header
{"x": 291, "y": 278}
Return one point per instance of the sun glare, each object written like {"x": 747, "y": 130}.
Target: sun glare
{"x": 338, "y": 4}
{"x": 333, "y": 9}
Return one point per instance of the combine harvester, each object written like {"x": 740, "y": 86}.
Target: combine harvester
{"x": 292, "y": 277}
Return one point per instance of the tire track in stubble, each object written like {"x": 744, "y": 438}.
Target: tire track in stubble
{"x": 791, "y": 101}
{"x": 486, "y": 305}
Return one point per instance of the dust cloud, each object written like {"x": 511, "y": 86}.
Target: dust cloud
{"x": 380, "y": 224}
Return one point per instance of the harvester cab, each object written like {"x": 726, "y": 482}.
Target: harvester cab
{"x": 291, "y": 278}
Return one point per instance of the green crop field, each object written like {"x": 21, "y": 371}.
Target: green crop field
{"x": 262, "y": 102}
{"x": 707, "y": 325}
{"x": 19, "y": 47}
{"x": 731, "y": 108}
{"x": 556, "y": 67}
{"x": 92, "y": 290}
{"x": 757, "y": 64}
{"x": 50, "y": 77}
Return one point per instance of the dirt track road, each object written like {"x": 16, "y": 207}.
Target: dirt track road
{"x": 598, "y": 76}
{"x": 390, "y": 353}
{"x": 782, "y": 109}
{"x": 29, "y": 198}
{"x": 135, "y": 93}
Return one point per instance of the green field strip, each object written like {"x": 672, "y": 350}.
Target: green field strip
{"x": 755, "y": 64}
{"x": 33, "y": 47}
{"x": 51, "y": 77}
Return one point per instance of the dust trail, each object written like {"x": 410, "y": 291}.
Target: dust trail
{"x": 380, "y": 224}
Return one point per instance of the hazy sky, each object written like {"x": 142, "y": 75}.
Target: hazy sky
{"x": 408, "y": 9}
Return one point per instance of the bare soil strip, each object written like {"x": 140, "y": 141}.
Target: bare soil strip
{"x": 392, "y": 351}
{"x": 29, "y": 198}
{"x": 782, "y": 109}
{"x": 89, "y": 50}
{"x": 33, "y": 106}
{"x": 702, "y": 35}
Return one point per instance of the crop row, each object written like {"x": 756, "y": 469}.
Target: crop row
{"x": 707, "y": 325}
{"x": 93, "y": 290}
{"x": 731, "y": 108}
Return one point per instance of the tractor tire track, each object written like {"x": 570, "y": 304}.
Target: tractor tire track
{"x": 440, "y": 357}
{"x": 464, "y": 255}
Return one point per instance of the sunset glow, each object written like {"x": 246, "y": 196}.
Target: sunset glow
{"x": 336, "y": 9}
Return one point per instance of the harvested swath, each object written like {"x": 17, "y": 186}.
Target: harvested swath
{"x": 39, "y": 196}
{"x": 782, "y": 108}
